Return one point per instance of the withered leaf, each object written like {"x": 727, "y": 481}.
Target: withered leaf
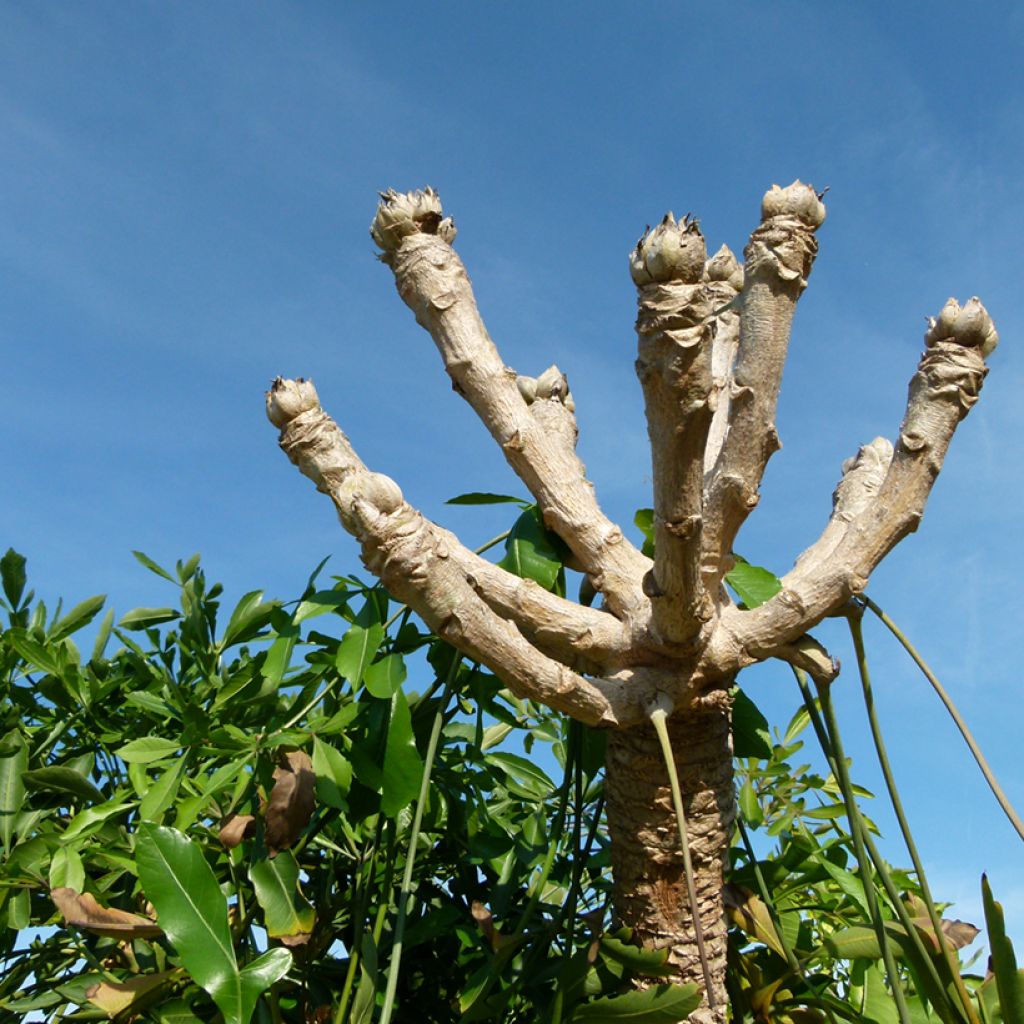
{"x": 80, "y": 910}
{"x": 114, "y": 998}
{"x": 958, "y": 933}
{"x": 291, "y": 802}
{"x": 235, "y": 828}
{"x": 749, "y": 912}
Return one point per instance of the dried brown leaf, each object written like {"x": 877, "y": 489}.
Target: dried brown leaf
{"x": 958, "y": 933}
{"x": 114, "y": 998}
{"x": 235, "y": 828}
{"x": 80, "y": 910}
{"x": 291, "y": 802}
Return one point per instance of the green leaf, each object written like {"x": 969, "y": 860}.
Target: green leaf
{"x": 79, "y": 616}
{"x": 103, "y": 635}
{"x": 357, "y": 649}
{"x": 333, "y": 774}
{"x": 320, "y": 603}
{"x": 147, "y": 749}
{"x": 13, "y": 764}
{"x": 879, "y": 1006}
{"x": 750, "y": 806}
{"x": 651, "y": 962}
{"x": 665, "y": 1004}
{"x": 286, "y": 913}
{"x": 644, "y": 520}
{"x": 385, "y": 677}
{"x": 193, "y": 912}
{"x": 34, "y": 653}
{"x": 1009, "y": 981}
{"x": 143, "y": 618}
{"x": 524, "y": 777}
{"x": 752, "y": 584}
{"x": 531, "y": 551}
{"x": 750, "y": 735}
{"x": 403, "y": 767}
{"x": 91, "y": 819}
{"x": 251, "y": 614}
{"x": 162, "y": 793}
{"x": 153, "y": 567}
{"x": 485, "y": 498}
{"x": 67, "y": 870}
{"x": 58, "y": 779}
{"x": 12, "y": 573}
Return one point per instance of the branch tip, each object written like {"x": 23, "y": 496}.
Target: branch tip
{"x": 968, "y": 325}
{"x": 400, "y": 214}
{"x": 287, "y": 399}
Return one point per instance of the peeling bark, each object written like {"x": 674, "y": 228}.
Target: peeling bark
{"x": 713, "y": 338}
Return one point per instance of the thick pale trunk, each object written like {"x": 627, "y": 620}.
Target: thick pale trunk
{"x": 647, "y": 863}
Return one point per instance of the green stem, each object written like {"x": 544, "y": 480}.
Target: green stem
{"x": 405, "y": 894}
{"x": 659, "y": 720}
{"x": 791, "y": 959}
{"x": 833, "y": 750}
{"x": 856, "y": 632}
{"x": 979, "y": 757}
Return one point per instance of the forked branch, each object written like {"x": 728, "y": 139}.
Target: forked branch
{"x": 428, "y": 569}
{"x": 431, "y": 279}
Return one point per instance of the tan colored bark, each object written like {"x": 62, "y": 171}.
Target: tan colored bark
{"x": 712, "y": 342}
{"x": 647, "y": 864}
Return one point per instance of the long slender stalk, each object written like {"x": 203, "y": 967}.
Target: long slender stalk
{"x": 405, "y": 894}
{"x": 791, "y": 959}
{"x": 969, "y": 739}
{"x": 833, "y": 750}
{"x": 659, "y": 720}
{"x": 857, "y": 633}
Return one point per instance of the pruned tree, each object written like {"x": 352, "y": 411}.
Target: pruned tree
{"x": 667, "y": 638}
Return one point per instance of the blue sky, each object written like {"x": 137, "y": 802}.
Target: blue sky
{"x": 185, "y": 192}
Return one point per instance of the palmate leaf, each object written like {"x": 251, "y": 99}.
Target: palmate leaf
{"x": 193, "y": 912}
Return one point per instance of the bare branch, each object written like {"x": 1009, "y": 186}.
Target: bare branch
{"x": 426, "y": 567}
{"x": 778, "y": 261}
{"x": 674, "y": 366}
{"x": 432, "y": 281}
{"x": 942, "y": 392}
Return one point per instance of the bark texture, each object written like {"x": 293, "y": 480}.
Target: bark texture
{"x": 712, "y": 341}
{"x": 647, "y": 864}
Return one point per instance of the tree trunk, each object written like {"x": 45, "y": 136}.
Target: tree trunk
{"x": 647, "y": 864}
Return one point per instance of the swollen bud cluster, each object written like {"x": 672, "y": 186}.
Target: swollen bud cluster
{"x": 797, "y": 200}
{"x": 968, "y": 325}
{"x": 673, "y": 251}
{"x": 286, "y": 399}
{"x": 400, "y": 214}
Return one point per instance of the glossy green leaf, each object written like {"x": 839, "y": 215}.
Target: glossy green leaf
{"x": 251, "y": 614}
{"x": 194, "y": 914}
{"x": 879, "y": 1006}
{"x": 162, "y": 793}
{"x": 385, "y": 677}
{"x": 664, "y": 1004}
{"x": 12, "y": 575}
{"x": 143, "y": 618}
{"x": 403, "y": 766}
{"x": 279, "y": 655}
{"x": 13, "y": 764}
{"x": 320, "y": 603}
{"x": 91, "y": 819}
{"x": 752, "y": 584}
{"x": 153, "y": 567}
{"x": 333, "y": 774}
{"x": 1009, "y": 980}
{"x": 531, "y": 551}
{"x": 750, "y": 735}
{"x": 67, "y": 870}
{"x": 147, "y": 749}
{"x": 286, "y": 913}
{"x": 34, "y": 653}
{"x": 79, "y": 616}
{"x": 356, "y": 651}
{"x": 58, "y": 779}
{"x": 523, "y": 775}
{"x": 750, "y": 806}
